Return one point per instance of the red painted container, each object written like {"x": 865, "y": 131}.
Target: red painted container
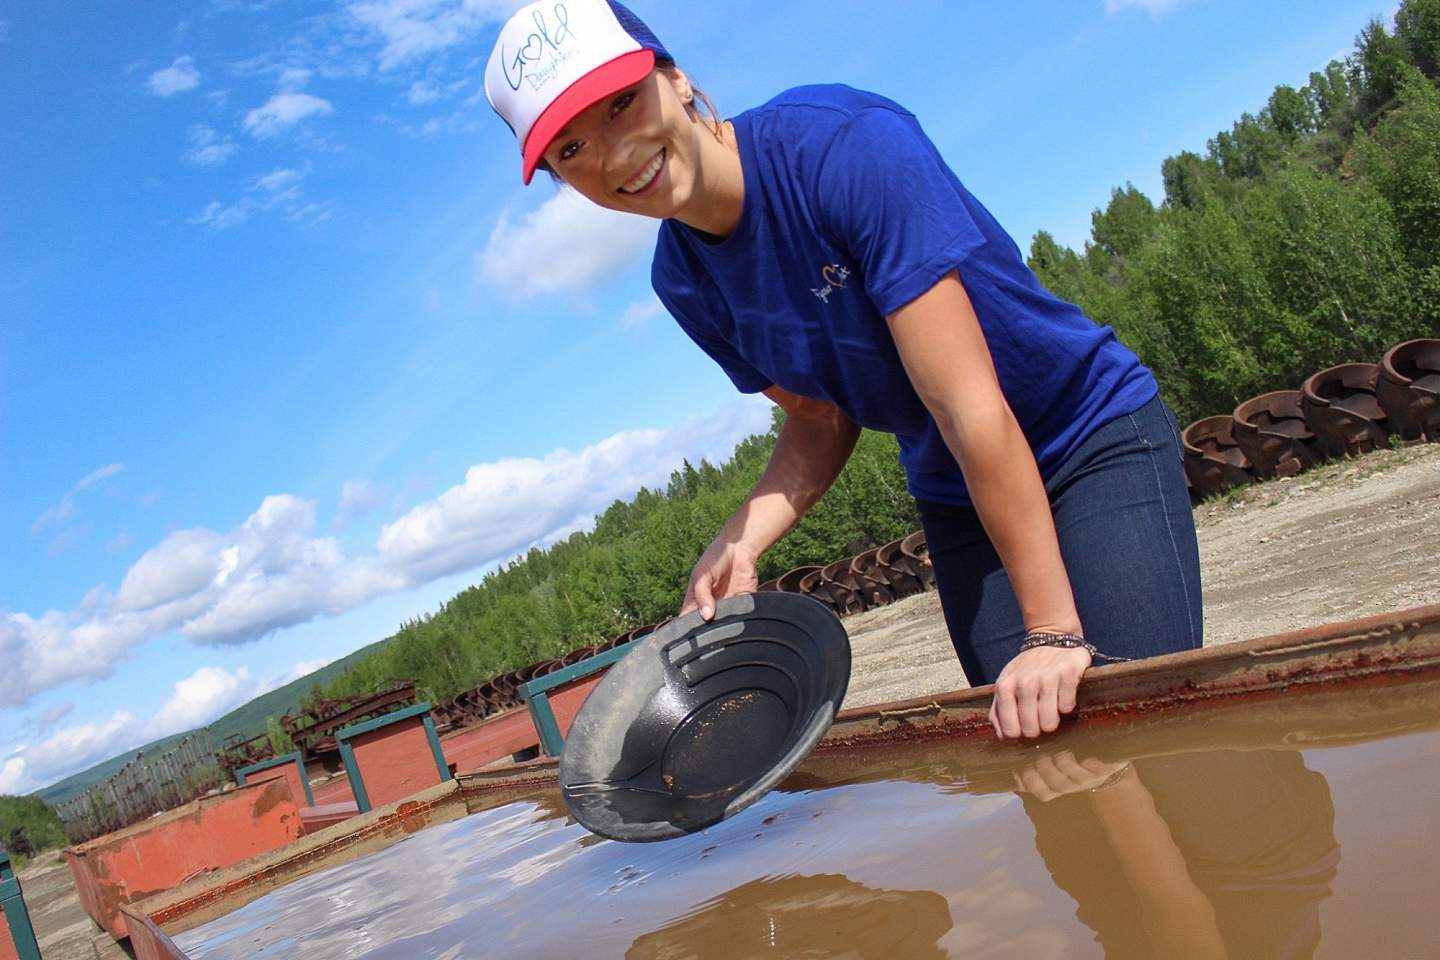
{"x": 162, "y": 852}
{"x": 392, "y": 757}
{"x": 290, "y": 768}
{"x": 335, "y": 790}
{"x": 148, "y": 941}
{"x": 567, "y": 700}
{"x": 7, "y": 942}
{"x": 493, "y": 738}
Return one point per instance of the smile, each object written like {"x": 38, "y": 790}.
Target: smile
{"x": 646, "y": 177}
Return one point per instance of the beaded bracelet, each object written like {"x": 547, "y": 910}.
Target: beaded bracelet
{"x": 1043, "y": 638}
{"x": 1111, "y": 780}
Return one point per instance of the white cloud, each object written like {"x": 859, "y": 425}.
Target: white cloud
{"x": 201, "y": 697}
{"x": 208, "y": 148}
{"x": 506, "y": 506}
{"x": 567, "y": 245}
{"x": 284, "y": 110}
{"x": 279, "y": 188}
{"x": 179, "y": 77}
{"x": 294, "y": 78}
{"x": 12, "y": 777}
{"x": 222, "y": 216}
{"x": 181, "y": 565}
{"x": 421, "y": 94}
{"x": 272, "y": 571}
{"x": 409, "y": 29}
{"x": 358, "y": 499}
{"x": 641, "y": 312}
{"x": 195, "y": 701}
{"x": 279, "y": 179}
{"x": 66, "y": 507}
{"x": 1155, "y": 8}
{"x": 68, "y": 750}
{"x": 54, "y": 715}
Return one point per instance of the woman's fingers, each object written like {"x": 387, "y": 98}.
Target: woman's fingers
{"x": 1004, "y": 713}
{"x": 1027, "y": 702}
{"x": 1069, "y": 684}
{"x": 1029, "y": 781}
{"x": 1047, "y": 706}
{"x": 1055, "y": 778}
{"x": 1035, "y": 690}
{"x": 704, "y": 595}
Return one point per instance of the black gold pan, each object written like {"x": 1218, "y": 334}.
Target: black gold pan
{"x": 702, "y": 718}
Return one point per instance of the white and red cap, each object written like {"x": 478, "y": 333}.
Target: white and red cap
{"x": 555, "y": 58}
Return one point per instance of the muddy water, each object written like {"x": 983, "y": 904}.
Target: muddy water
{"x": 1201, "y": 835}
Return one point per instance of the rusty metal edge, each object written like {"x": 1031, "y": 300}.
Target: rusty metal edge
{"x": 1406, "y": 643}
{"x": 1331, "y": 652}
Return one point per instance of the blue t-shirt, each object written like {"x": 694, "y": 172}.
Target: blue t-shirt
{"x": 850, "y": 213}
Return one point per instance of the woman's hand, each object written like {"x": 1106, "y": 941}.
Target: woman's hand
{"x": 1034, "y": 689}
{"x": 725, "y": 569}
{"x": 811, "y": 450}
{"x": 1059, "y": 774}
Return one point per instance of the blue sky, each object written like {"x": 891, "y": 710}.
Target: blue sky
{"x": 288, "y": 355}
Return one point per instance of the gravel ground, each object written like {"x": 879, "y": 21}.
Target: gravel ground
{"x": 1347, "y": 539}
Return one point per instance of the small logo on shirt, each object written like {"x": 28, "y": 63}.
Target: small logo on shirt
{"x": 834, "y": 276}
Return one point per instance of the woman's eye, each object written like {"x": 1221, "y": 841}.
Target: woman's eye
{"x": 569, "y": 150}
{"x": 622, "y": 101}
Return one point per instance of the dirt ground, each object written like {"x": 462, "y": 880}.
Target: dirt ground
{"x": 1347, "y": 539}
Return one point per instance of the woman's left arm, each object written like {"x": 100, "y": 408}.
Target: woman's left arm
{"x": 945, "y": 354}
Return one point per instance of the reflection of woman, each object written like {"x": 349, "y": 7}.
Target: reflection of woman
{"x": 820, "y": 250}
{"x": 820, "y": 916}
{"x": 1197, "y": 855}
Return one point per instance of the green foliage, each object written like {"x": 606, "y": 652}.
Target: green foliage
{"x": 280, "y": 741}
{"x": 1307, "y": 235}
{"x": 29, "y": 826}
{"x": 631, "y": 570}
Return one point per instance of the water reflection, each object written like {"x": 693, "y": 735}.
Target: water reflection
{"x": 1224, "y": 853}
{"x": 816, "y": 916}
{"x": 925, "y": 853}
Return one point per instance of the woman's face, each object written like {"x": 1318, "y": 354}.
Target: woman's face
{"x": 637, "y": 151}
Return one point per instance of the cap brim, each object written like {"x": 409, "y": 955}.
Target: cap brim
{"x": 625, "y": 70}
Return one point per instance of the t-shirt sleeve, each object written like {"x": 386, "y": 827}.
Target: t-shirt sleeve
{"x": 697, "y": 316}
{"x": 886, "y": 193}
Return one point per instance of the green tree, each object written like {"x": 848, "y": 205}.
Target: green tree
{"x": 1125, "y": 224}
{"x": 1417, "y": 26}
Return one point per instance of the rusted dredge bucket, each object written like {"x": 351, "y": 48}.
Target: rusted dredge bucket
{"x": 1272, "y": 433}
{"x": 874, "y": 585}
{"x": 1341, "y": 408}
{"x": 1408, "y": 389}
{"x": 917, "y": 552}
{"x": 1213, "y": 461}
{"x": 900, "y": 572}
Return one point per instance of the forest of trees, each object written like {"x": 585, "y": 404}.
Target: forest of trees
{"x": 28, "y": 825}
{"x": 1305, "y": 236}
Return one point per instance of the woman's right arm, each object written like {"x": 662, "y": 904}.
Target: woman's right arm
{"x": 813, "y": 446}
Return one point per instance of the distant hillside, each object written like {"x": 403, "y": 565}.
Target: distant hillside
{"x": 247, "y": 719}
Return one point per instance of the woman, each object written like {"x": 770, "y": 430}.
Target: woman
{"x": 820, "y": 250}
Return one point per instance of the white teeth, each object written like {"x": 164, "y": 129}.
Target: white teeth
{"x": 643, "y": 178}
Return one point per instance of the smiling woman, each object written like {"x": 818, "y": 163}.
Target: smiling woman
{"x": 821, "y": 251}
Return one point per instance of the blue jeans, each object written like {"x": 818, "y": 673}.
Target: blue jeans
{"x": 1122, "y": 515}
